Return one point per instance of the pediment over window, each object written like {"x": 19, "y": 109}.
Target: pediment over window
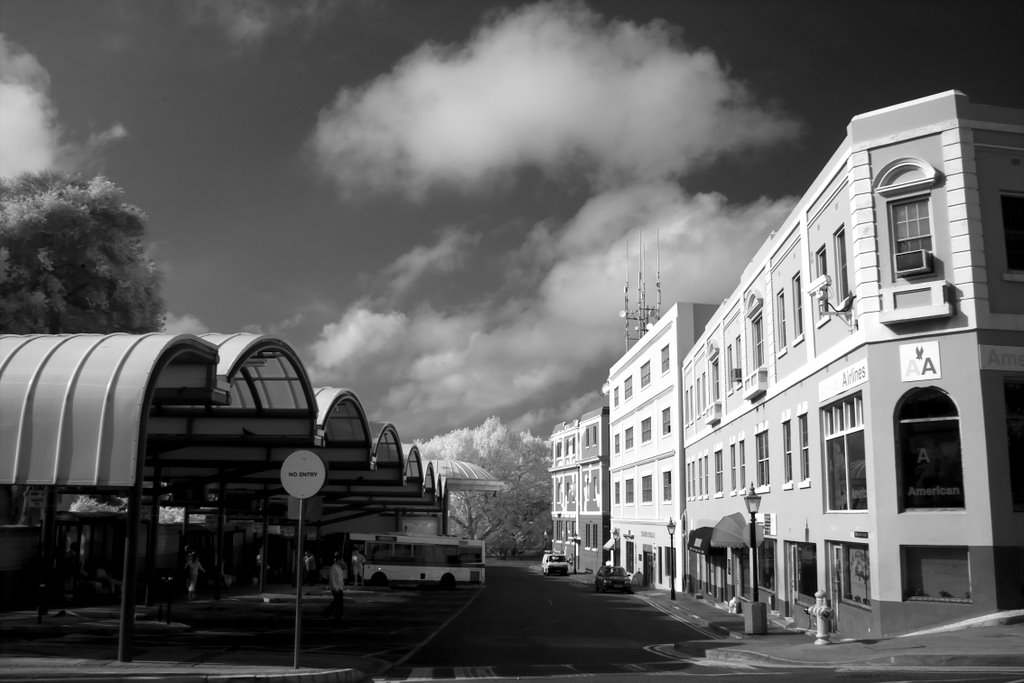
{"x": 752, "y": 302}
{"x": 905, "y": 176}
{"x": 712, "y": 349}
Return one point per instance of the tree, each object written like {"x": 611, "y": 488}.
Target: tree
{"x": 512, "y": 520}
{"x": 72, "y": 258}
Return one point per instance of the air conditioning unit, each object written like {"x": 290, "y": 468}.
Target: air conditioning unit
{"x": 915, "y": 262}
{"x": 737, "y": 375}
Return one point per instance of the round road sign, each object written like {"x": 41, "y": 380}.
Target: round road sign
{"x": 303, "y": 474}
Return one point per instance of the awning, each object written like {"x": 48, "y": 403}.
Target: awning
{"x": 610, "y": 544}
{"x": 733, "y": 531}
{"x": 700, "y": 541}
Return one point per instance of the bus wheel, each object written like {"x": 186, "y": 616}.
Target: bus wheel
{"x": 448, "y": 582}
{"x": 378, "y": 579}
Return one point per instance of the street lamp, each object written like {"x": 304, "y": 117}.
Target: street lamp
{"x": 615, "y": 548}
{"x": 672, "y": 546}
{"x": 753, "y": 502}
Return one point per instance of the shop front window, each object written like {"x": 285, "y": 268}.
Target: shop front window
{"x": 936, "y": 574}
{"x": 843, "y": 424}
{"x": 929, "y": 455}
{"x": 804, "y": 560}
{"x": 856, "y": 574}
{"x": 1014, "y": 399}
{"x": 766, "y": 565}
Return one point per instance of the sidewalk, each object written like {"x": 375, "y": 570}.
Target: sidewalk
{"x": 178, "y": 661}
{"x": 993, "y": 641}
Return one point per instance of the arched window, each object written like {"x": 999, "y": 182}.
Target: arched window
{"x": 928, "y": 451}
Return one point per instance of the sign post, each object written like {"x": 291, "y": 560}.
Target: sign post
{"x": 303, "y": 474}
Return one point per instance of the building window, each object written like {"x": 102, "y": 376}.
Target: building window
{"x": 787, "y": 451}
{"x": 728, "y": 367}
{"x": 936, "y": 574}
{"x": 742, "y": 455}
{"x": 664, "y": 359}
{"x": 716, "y": 383}
{"x": 700, "y": 476}
{"x": 757, "y": 341}
{"x": 645, "y": 374}
{"x": 805, "y": 449}
{"x": 666, "y": 421}
{"x": 617, "y": 499}
{"x": 718, "y": 472}
{"x": 666, "y": 486}
{"x": 911, "y": 226}
{"x": 629, "y": 438}
{"x": 732, "y": 466}
{"x": 1013, "y": 392}
{"x": 647, "y": 488}
{"x": 617, "y": 443}
{"x": 766, "y": 565}
{"x": 780, "y": 318}
{"x": 615, "y": 396}
{"x": 821, "y": 262}
{"x": 846, "y": 478}
{"x": 928, "y": 451}
{"x": 707, "y": 475}
{"x": 739, "y": 357}
{"x": 629, "y": 492}
{"x": 798, "y": 307}
{"x": 842, "y": 275}
{"x": 763, "y": 472}
{"x": 700, "y": 395}
{"x": 645, "y": 430}
{"x": 627, "y": 389}
{"x": 856, "y": 573}
{"x": 1013, "y": 230}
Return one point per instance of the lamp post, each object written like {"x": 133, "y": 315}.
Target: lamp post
{"x": 672, "y": 547}
{"x": 753, "y": 502}
{"x": 615, "y": 548}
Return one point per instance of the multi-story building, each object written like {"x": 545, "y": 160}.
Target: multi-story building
{"x": 579, "y": 490}
{"x": 646, "y": 396}
{"x": 867, "y": 377}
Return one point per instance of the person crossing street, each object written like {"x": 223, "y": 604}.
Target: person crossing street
{"x": 338, "y": 574}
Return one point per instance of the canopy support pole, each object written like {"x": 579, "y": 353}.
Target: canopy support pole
{"x": 151, "y": 536}
{"x": 126, "y": 633}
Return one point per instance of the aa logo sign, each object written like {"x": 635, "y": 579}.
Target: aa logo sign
{"x": 920, "y": 361}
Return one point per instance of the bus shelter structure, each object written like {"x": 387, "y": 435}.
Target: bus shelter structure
{"x": 194, "y": 422}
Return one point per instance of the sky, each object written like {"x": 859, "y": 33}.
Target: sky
{"x": 435, "y": 203}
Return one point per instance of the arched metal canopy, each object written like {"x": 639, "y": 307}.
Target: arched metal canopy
{"x": 456, "y": 475}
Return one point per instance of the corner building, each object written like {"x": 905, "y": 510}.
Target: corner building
{"x": 646, "y": 397}
{"x": 867, "y": 377}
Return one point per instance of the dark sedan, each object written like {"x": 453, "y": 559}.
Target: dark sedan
{"x": 613, "y": 579}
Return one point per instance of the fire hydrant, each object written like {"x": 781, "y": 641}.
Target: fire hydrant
{"x": 823, "y": 613}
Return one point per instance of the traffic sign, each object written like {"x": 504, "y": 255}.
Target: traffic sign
{"x": 303, "y": 474}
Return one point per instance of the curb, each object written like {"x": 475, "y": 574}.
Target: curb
{"x": 956, "y": 660}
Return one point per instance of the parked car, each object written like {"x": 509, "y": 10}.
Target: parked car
{"x": 554, "y": 563}
{"x": 613, "y": 579}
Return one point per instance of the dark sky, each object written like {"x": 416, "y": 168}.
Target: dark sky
{"x": 431, "y": 201}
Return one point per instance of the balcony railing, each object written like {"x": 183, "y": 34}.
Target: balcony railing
{"x": 714, "y": 414}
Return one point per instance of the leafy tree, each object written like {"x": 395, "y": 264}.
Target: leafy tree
{"x": 72, "y": 258}
{"x": 512, "y": 520}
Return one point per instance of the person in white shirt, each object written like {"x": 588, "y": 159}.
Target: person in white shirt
{"x": 357, "y": 567}
{"x": 339, "y": 570}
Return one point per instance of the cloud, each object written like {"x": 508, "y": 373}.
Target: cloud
{"x": 430, "y": 370}
{"x": 184, "y": 324}
{"x": 553, "y": 86}
{"x": 446, "y": 256}
{"x": 31, "y": 138}
{"x": 29, "y": 133}
{"x": 249, "y": 22}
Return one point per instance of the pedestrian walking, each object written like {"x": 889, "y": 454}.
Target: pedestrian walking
{"x": 358, "y": 560}
{"x": 339, "y": 572}
{"x": 195, "y": 568}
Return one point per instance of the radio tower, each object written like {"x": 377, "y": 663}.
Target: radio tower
{"x": 640, "y": 319}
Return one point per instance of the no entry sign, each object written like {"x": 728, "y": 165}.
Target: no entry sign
{"x": 303, "y": 474}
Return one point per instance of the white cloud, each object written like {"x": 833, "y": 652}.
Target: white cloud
{"x": 184, "y": 324}
{"x": 249, "y": 22}
{"x": 553, "y": 86}
{"x": 430, "y": 370}
{"x": 446, "y": 256}
{"x": 30, "y": 135}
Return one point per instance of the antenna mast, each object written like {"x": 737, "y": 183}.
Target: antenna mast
{"x": 643, "y": 317}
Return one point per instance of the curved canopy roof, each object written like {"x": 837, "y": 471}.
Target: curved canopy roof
{"x": 73, "y": 407}
{"x": 456, "y": 475}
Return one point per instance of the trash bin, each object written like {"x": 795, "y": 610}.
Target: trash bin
{"x": 755, "y": 619}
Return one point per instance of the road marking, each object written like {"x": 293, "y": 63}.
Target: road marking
{"x": 442, "y": 627}
{"x": 680, "y": 618}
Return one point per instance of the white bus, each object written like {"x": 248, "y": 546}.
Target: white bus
{"x": 392, "y": 559}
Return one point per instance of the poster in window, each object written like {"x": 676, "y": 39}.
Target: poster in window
{"x": 933, "y": 475}
{"x": 858, "y": 583}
